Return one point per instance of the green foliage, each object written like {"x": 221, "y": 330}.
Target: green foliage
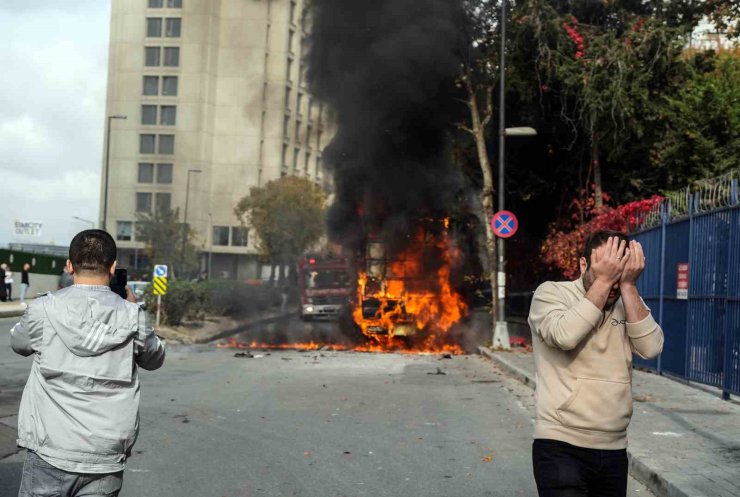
{"x": 184, "y": 300}
{"x": 192, "y": 301}
{"x": 700, "y": 123}
{"x": 287, "y": 215}
{"x": 167, "y": 241}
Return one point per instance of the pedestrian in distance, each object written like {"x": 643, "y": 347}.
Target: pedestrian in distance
{"x": 8, "y": 273}
{"x": 79, "y": 413}
{"x": 25, "y": 281}
{"x": 584, "y": 334}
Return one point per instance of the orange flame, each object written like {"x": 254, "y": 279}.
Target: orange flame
{"x": 411, "y": 303}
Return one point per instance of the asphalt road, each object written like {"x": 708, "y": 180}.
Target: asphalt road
{"x": 319, "y": 424}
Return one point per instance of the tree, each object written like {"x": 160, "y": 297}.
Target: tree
{"x": 699, "y": 124}
{"x": 604, "y": 72}
{"x": 165, "y": 241}
{"x": 288, "y": 217}
{"x": 478, "y": 82}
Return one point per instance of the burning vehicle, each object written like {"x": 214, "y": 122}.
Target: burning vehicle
{"x": 406, "y": 295}
{"x": 324, "y": 284}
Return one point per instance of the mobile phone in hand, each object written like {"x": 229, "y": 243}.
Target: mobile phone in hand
{"x": 119, "y": 281}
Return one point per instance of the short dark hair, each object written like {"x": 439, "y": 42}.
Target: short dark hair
{"x": 93, "y": 251}
{"x": 597, "y": 239}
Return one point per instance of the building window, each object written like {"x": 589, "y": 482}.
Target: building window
{"x": 146, "y": 172}
{"x": 284, "y": 160}
{"x": 172, "y": 27}
{"x": 239, "y": 236}
{"x": 153, "y": 27}
{"x": 167, "y": 115}
{"x": 291, "y": 34}
{"x": 309, "y": 130}
{"x": 286, "y": 124}
{"x": 171, "y": 56}
{"x": 308, "y": 161}
{"x": 298, "y": 132}
{"x": 164, "y": 173}
{"x": 166, "y": 144}
{"x": 151, "y": 56}
{"x": 169, "y": 86}
{"x": 148, "y": 114}
{"x": 299, "y": 104}
{"x": 287, "y": 97}
{"x": 220, "y": 235}
{"x": 289, "y": 70}
{"x": 156, "y": 4}
{"x": 143, "y": 202}
{"x": 292, "y": 11}
{"x": 146, "y": 144}
{"x": 296, "y": 153}
{"x": 163, "y": 202}
{"x": 124, "y": 230}
{"x": 174, "y": 4}
{"x": 151, "y": 85}
{"x": 310, "y": 108}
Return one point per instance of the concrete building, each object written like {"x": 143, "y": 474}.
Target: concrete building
{"x": 215, "y": 100}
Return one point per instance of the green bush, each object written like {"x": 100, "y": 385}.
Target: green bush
{"x": 187, "y": 300}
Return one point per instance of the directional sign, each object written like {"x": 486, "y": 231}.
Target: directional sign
{"x": 504, "y": 224}
{"x": 160, "y": 270}
{"x": 160, "y": 285}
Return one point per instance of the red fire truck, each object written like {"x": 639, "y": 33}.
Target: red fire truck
{"x": 325, "y": 285}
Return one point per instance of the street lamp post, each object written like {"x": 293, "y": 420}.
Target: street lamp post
{"x": 186, "y": 228}
{"x": 92, "y": 223}
{"x": 501, "y": 331}
{"x": 107, "y": 168}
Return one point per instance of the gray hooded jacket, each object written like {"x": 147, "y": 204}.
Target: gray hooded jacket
{"x": 80, "y": 406}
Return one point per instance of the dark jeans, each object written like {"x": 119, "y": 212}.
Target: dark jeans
{"x": 41, "y": 479}
{"x": 564, "y": 470}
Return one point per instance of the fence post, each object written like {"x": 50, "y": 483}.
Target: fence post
{"x": 664, "y": 208}
{"x": 687, "y": 371}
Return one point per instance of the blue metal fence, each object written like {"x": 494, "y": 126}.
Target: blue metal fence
{"x": 699, "y": 227}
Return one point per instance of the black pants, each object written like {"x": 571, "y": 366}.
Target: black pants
{"x": 564, "y": 470}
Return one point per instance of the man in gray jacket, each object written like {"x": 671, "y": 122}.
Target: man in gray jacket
{"x": 79, "y": 415}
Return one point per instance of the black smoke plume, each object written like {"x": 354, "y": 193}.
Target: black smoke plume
{"x": 387, "y": 70}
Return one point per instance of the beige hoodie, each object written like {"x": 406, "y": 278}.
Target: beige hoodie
{"x": 583, "y": 360}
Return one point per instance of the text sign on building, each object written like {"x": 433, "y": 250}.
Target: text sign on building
{"x": 682, "y": 281}
{"x": 28, "y": 228}
{"x": 504, "y": 224}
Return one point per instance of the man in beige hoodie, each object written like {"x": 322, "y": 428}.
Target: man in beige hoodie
{"x": 584, "y": 333}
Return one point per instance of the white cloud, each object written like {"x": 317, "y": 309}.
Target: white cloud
{"x": 52, "y": 105}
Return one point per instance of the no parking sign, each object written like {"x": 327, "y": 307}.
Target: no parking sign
{"x": 504, "y": 224}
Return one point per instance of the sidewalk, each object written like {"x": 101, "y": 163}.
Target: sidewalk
{"x": 683, "y": 441}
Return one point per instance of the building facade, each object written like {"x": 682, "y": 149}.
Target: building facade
{"x": 214, "y": 98}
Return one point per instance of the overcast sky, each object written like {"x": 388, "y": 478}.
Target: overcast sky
{"x": 52, "y": 107}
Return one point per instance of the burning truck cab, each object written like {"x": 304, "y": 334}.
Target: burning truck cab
{"x": 325, "y": 285}
{"x": 407, "y": 293}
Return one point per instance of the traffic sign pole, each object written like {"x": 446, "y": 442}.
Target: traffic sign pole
{"x": 159, "y": 306}
{"x": 504, "y": 225}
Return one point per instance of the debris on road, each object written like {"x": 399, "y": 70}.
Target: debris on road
{"x": 246, "y": 354}
{"x": 439, "y": 372}
{"x": 446, "y": 356}
{"x": 488, "y": 458}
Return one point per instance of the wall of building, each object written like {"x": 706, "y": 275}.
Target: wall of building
{"x": 243, "y": 114}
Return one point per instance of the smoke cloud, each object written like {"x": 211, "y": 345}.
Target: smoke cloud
{"x": 387, "y": 69}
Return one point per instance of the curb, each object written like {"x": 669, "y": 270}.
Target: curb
{"x": 244, "y": 327}
{"x": 12, "y": 310}
{"x": 639, "y": 470}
